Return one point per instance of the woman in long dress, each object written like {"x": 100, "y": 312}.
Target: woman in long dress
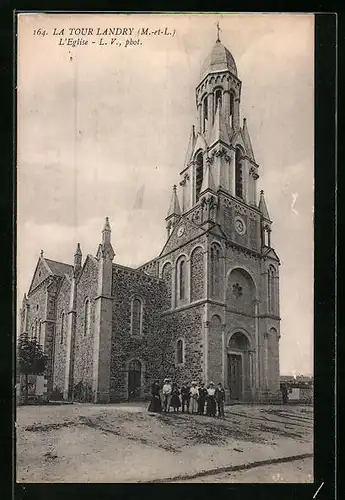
{"x": 155, "y": 403}
{"x": 175, "y": 397}
{"x": 194, "y": 395}
{"x": 211, "y": 404}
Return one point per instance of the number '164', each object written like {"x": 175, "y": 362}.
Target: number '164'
{"x": 40, "y": 32}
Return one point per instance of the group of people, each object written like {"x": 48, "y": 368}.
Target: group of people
{"x": 191, "y": 398}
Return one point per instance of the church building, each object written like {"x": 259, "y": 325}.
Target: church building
{"x": 205, "y": 309}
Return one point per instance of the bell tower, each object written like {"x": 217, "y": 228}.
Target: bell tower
{"x": 219, "y": 155}
{"x": 221, "y": 233}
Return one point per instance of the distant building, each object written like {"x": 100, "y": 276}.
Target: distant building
{"x": 207, "y": 308}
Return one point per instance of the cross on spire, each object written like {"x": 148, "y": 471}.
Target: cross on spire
{"x": 218, "y": 30}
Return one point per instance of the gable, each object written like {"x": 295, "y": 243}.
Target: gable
{"x": 237, "y": 140}
{"x": 42, "y": 271}
{"x": 271, "y": 254}
{"x": 176, "y": 239}
{"x": 89, "y": 269}
{"x": 199, "y": 144}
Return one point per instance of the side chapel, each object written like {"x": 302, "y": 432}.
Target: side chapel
{"x": 207, "y": 308}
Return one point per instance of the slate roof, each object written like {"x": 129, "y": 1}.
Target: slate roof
{"x": 220, "y": 59}
{"x": 59, "y": 268}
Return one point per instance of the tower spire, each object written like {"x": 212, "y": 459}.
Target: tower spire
{"x": 263, "y": 206}
{"x": 174, "y": 208}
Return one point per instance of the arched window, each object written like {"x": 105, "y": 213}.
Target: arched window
{"x": 215, "y": 270}
{"x": 270, "y": 289}
{"x": 179, "y": 352}
{"x": 182, "y": 280}
{"x": 232, "y": 101}
{"x": 199, "y": 174}
{"x": 62, "y": 328}
{"x": 239, "y": 174}
{"x": 218, "y": 98}
{"x": 137, "y": 312}
{"x": 197, "y": 274}
{"x": 87, "y": 317}
{"x": 167, "y": 277}
{"x": 204, "y": 113}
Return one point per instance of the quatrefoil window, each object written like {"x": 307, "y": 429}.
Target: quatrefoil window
{"x": 237, "y": 290}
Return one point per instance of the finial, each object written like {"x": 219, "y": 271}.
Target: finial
{"x": 107, "y": 225}
{"x": 262, "y": 191}
{"x": 218, "y": 30}
{"x": 41, "y": 253}
{"x": 78, "y": 251}
{"x": 174, "y": 187}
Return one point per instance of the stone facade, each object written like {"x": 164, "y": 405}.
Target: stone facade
{"x": 213, "y": 290}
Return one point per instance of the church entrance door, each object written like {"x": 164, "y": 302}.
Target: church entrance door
{"x": 235, "y": 376}
{"x": 134, "y": 380}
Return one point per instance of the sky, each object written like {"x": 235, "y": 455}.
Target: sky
{"x": 103, "y": 131}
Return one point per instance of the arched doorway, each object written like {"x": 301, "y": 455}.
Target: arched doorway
{"x": 134, "y": 379}
{"x": 238, "y": 366}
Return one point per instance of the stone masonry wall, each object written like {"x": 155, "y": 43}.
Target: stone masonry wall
{"x": 62, "y": 306}
{"x": 37, "y": 308}
{"x": 86, "y": 288}
{"x": 148, "y": 348}
{"x": 187, "y": 325}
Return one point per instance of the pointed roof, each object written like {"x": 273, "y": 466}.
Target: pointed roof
{"x": 220, "y": 59}
{"x": 208, "y": 181}
{"x": 190, "y": 147}
{"x": 263, "y": 206}
{"x": 219, "y": 130}
{"x": 246, "y": 140}
{"x": 174, "y": 208}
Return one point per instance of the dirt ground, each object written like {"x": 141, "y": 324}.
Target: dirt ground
{"x": 297, "y": 471}
{"x": 126, "y": 443}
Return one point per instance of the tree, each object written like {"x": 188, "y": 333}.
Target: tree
{"x": 31, "y": 359}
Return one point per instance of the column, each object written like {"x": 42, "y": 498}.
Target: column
{"x": 188, "y": 281}
{"x": 173, "y": 285}
{"x": 226, "y": 98}
{"x": 257, "y": 372}
{"x": 223, "y": 354}
{"x": 199, "y": 117}
{"x": 236, "y": 118}
{"x": 266, "y": 358}
{"x": 206, "y": 270}
{"x": 211, "y": 110}
{"x": 191, "y": 187}
{"x": 269, "y": 230}
{"x": 71, "y": 322}
{"x": 251, "y": 375}
{"x": 232, "y": 173}
{"x": 206, "y": 328}
{"x": 276, "y": 294}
